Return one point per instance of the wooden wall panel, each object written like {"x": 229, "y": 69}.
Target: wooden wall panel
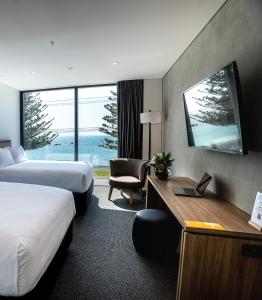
{"x": 5, "y": 143}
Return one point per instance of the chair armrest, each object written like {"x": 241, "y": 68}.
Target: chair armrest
{"x": 143, "y": 169}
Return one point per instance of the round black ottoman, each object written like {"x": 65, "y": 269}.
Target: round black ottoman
{"x": 154, "y": 232}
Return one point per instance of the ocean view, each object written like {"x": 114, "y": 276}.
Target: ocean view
{"x": 62, "y": 148}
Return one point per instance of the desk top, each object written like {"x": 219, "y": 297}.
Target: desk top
{"x": 209, "y": 208}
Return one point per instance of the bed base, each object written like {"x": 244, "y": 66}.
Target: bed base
{"x": 82, "y": 200}
{"x": 44, "y": 287}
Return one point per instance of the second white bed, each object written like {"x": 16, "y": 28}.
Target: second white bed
{"x": 33, "y": 222}
{"x": 73, "y": 176}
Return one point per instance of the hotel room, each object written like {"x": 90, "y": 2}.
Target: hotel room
{"x": 131, "y": 149}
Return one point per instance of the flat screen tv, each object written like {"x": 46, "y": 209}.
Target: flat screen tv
{"x": 213, "y": 113}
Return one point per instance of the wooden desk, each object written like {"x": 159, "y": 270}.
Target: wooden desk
{"x": 214, "y": 264}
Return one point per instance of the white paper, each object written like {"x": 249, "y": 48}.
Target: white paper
{"x": 256, "y": 216}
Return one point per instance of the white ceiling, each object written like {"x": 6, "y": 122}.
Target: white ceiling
{"x": 145, "y": 36}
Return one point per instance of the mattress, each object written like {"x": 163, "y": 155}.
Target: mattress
{"x": 33, "y": 222}
{"x": 73, "y": 176}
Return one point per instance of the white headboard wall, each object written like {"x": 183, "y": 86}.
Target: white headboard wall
{"x": 9, "y": 114}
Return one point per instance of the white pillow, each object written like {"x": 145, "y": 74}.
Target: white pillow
{"x": 18, "y": 154}
{"x": 5, "y": 158}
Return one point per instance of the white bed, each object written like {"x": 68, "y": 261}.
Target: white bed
{"x": 73, "y": 176}
{"x": 33, "y": 222}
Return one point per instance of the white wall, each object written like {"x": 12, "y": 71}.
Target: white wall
{"x": 153, "y": 101}
{"x": 9, "y": 114}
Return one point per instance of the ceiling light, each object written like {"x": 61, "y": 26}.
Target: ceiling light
{"x": 70, "y": 68}
{"x": 115, "y": 62}
{"x": 33, "y": 72}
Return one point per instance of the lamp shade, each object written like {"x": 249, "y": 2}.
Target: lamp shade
{"x": 150, "y": 117}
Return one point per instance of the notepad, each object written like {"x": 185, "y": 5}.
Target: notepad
{"x": 206, "y": 225}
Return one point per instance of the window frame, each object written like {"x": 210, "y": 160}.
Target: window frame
{"x": 75, "y": 88}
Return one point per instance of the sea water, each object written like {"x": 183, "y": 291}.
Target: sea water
{"x": 62, "y": 148}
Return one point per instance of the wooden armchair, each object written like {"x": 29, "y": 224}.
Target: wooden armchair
{"x": 127, "y": 175}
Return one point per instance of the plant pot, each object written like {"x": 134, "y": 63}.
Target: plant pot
{"x": 163, "y": 174}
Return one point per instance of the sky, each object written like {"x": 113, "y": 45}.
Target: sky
{"x": 90, "y": 107}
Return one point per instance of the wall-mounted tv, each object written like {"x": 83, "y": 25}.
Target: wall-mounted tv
{"x": 213, "y": 113}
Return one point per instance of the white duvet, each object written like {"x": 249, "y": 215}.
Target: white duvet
{"x": 33, "y": 223}
{"x": 72, "y": 176}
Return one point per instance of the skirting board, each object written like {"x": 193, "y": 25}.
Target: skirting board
{"x": 255, "y": 225}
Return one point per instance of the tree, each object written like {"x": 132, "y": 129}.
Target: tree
{"x": 110, "y": 125}
{"x": 36, "y": 123}
{"x": 218, "y": 109}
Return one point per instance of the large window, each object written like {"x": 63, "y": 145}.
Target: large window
{"x": 72, "y": 123}
{"x": 49, "y": 124}
{"x": 97, "y": 124}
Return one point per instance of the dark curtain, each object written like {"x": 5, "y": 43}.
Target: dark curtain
{"x": 130, "y": 105}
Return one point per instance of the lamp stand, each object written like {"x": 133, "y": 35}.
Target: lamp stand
{"x": 149, "y": 141}
{"x": 149, "y": 118}
{"x": 149, "y": 145}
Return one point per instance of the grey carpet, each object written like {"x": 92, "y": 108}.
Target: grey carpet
{"x": 102, "y": 262}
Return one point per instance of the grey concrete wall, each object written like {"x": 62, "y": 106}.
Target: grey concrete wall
{"x": 235, "y": 33}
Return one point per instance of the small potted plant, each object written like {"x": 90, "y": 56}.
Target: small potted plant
{"x": 161, "y": 162}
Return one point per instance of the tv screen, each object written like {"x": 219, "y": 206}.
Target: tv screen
{"x": 213, "y": 112}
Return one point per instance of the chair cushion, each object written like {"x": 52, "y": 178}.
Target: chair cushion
{"x": 125, "y": 182}
{"x": 153, "y": 216}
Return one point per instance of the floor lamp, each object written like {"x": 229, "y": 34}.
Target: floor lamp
{"x": 150, "y": 117}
